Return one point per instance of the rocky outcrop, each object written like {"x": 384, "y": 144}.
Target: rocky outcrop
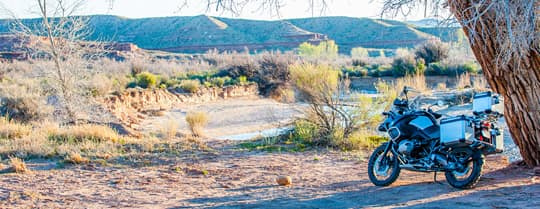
{"x": 131, "y": 106}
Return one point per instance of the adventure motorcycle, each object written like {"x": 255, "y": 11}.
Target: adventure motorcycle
{"x": 421, "y": 141}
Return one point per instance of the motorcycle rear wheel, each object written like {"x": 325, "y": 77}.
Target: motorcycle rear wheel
{"x": 467, "y": 177}
{"x": 383, "y": 170}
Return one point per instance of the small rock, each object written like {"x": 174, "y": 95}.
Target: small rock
{"x": 284, "y": 180}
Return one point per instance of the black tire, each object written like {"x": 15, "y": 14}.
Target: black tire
{"x": 475, "y": 167}
{"x": 391, "y": 161}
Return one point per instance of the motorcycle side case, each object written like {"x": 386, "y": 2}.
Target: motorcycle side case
{"x": 456, "y": 131}
{"x": 482, "y": 102}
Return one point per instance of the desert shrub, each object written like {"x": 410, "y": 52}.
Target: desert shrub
{"x": 432, "y": 51}
{"x": 436, "y": 68}
{"x": 190, "y": 86}
{"x": 354, "y": 72}
{"x": 325, "y": 49}
{"x": 24, "y": 108}
{"x": 146, "y": 80}
{"x": 380, "y": 71}
{"x": 305, "y": 131}
{"x": 405, "y": 65}
{"x": 197, "y": 121}
{"x": 219, "y": 81}
{"x": 319, "y": 85}
{"x": 273, "y": 74}
{"x": 82, "y": 133}
{"x": 248, "y": 69}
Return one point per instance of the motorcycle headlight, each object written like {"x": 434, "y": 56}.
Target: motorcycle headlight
{"x": 394, "y": 133}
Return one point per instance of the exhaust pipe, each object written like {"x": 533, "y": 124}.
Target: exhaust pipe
{"x": 440, "y": 159}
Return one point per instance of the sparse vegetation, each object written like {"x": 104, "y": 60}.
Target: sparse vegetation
{"x": 75, "y": 158}
{"x": 11, "y": 130}
{"x": 190, "y": 86}
{"x": 18, "y": 165}
{"x": 197, "y": 121}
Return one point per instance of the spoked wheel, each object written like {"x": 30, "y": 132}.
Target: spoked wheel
{"x": 467, "y": 175}
{"x": 383, "y": 170}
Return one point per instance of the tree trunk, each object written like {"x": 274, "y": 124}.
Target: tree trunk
{"x": 520, "y": 87}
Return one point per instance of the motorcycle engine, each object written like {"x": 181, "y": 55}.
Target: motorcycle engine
{"x": 406, "y": 147}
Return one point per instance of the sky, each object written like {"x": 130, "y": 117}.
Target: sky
{"x": 163, "y": 8}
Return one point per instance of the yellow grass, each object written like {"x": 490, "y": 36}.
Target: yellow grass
{"x": 18, "y": 165}
{"x": 417, "y": 82}
{"x": 85, "y": 132}
{"x": 197, "y": 121}
{"x": 464, "y": 81}
{"x": 170, "y": 129}
{"x": 76, "y": 158}
{"x": 10, "y": 129}
{"x": 480, "y": 84}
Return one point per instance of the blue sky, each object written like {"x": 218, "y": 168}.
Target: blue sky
{"x": 162, "y": 8}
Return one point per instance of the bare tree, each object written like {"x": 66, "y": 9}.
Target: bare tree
{"x": 59, "y": 37}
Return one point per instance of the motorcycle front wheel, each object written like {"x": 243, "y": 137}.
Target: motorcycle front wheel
{"x": 467, "y": 176}
{"x": 383, "y": 170}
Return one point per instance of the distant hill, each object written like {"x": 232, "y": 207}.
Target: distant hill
{"x": 197, "y": 34}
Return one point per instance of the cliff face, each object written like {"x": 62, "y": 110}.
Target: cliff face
{"x": 134, "y": 105}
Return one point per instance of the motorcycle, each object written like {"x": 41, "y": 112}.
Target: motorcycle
{"x": 422, "y": 140}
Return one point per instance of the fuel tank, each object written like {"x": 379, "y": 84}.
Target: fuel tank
{"x": 415, "y": 125}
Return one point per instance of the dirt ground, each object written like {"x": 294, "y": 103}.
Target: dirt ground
{"x": 231, "y": 178}
{"x": 229, "y": 117}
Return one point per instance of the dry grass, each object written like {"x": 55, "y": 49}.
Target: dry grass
{"x": 170, "y": 129}
{"x": 11, "y": 129}
{"x": 463, "y": 81}
{"x": 76, "y": 158}
{"x": 18, "y": 165}
{"x": 480, "y": 84}
{"x": 197, "y": 121}
{"x": 86, "y": 132}
{"x": 417, "y": 81}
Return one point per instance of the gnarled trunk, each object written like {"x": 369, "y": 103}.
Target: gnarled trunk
{"x": 520, "y": 86}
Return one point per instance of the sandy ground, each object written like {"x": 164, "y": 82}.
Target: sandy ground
{"x": 231, "y": 178}
{"x": 229, "y": 117}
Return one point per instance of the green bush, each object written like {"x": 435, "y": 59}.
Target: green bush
{"x": 432, "y": 51}
{"x": 325, "y": 49}
{"x": 218, "y": 82}
{"x": 242, "y": 80}
{"x": 147, "y": 80}
{"x": 404, "y": 66}
{"x": 471, "y": 68}
{"x": 436, "y": 68}
{"x": 190, "y": 86}
{"x": 305, "y": 131}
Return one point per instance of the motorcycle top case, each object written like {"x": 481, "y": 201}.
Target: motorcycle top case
{"x": 482, "y": 102}
{"x": 456, "y": 130}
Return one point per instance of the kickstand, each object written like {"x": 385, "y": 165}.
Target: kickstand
{"x": 435, "y": 178}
